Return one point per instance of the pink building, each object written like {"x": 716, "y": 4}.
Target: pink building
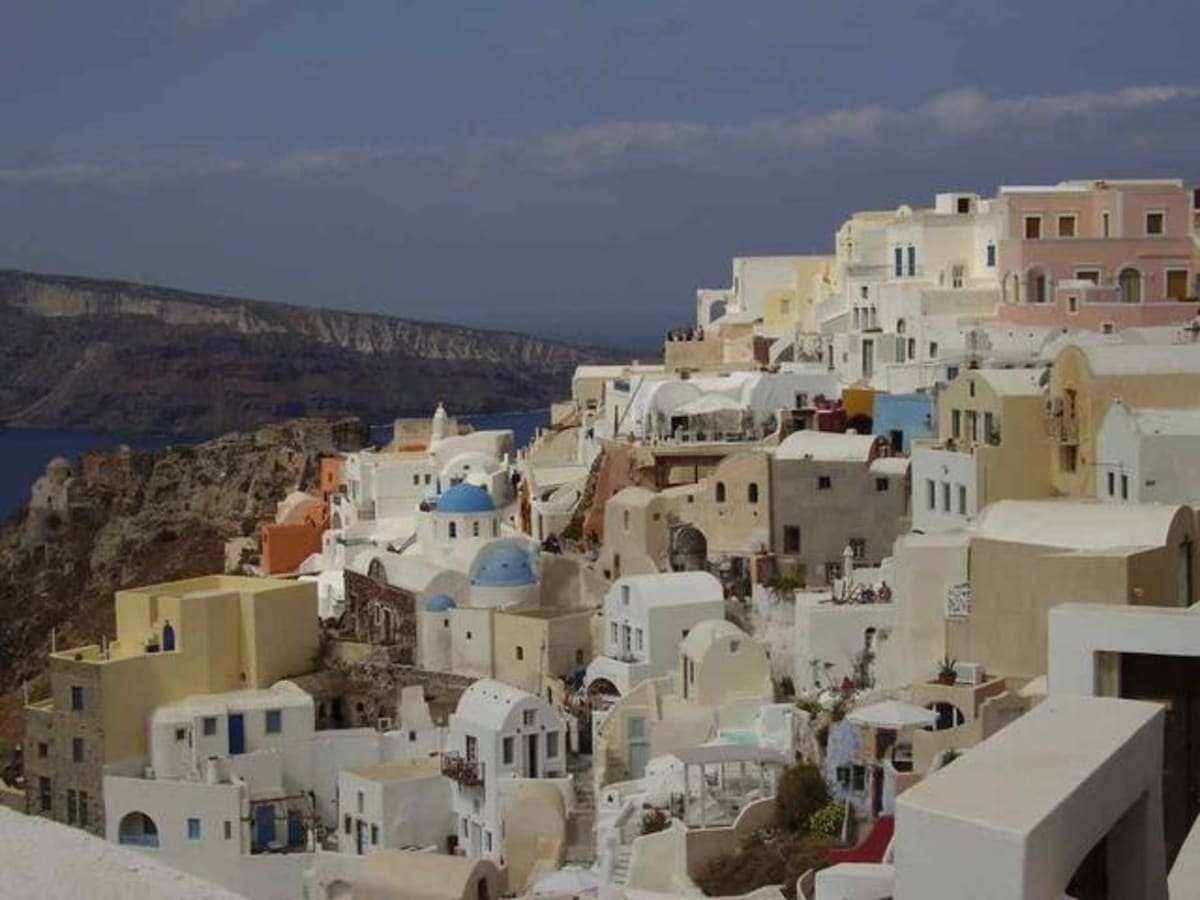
{"x": 1100, "y": 255}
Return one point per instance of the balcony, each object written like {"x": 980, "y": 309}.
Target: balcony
{"x": 1063, "y": 429}
{"x": 467, "y": 772}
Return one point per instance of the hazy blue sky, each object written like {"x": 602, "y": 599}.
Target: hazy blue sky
{"x": 567, "y": 168}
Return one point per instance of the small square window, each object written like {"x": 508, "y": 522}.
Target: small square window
{"x": 881, "y": 484}
{"x": 1156, "y": 223}
{"x": 180, "y": 735}
{"x": 520, "y": 653}
{"x": 412, "y": 737}
{"x": 193, "y": 827}
{"x": 964, "y": 205}
{"x": 1033, "y": 228}
{"x": 529, "y": 716}
{"x": 274, "y": 721}
{"x": 210, "y": 726}
{"x": 824, "y": 482}
{"x": 734, "y": 646}
{"x": 1066, "y": 226}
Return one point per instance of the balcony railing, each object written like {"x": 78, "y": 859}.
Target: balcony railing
{"x": 465, "y": 771}
{"x": 1063, "y": 429}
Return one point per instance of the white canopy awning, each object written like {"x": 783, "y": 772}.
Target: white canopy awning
{"x": 893, "y": 714}
{"x": 709, "y": 404}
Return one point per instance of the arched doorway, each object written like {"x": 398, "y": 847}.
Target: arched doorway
{"x": 948, "y": 715}
{"x": 1037, "y": 288}
{"x": 689, "y": 549}
{"x": 137, "y": 830}
{"x": 1130, "y": 282}
{"x": 377, "y": 572}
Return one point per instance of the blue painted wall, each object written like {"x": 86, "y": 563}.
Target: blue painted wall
{"x": 910, "y": 414}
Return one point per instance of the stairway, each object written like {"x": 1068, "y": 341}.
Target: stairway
{"x": 620, "y": 872}
{"x": 581, "y": 829}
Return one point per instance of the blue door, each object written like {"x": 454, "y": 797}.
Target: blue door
{"x": 237, "y": 734}
{"x": 264, "y": 825}
{"x": 295, "y": 829}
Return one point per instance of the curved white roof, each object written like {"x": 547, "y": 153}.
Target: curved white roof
{"x": 1174, "y": 422}
{"x": 633, "y": 496}
{"x": 704, "y": 634}
{"x": 1142, "y": 359}
{"x": 827, "y": 446}
{"x": 890, "y": 465}
{"x": 1076, "y": 524}
{"x": 489, "y": 703}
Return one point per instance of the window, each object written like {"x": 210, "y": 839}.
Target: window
{"x": 453, "y": 530}
{"x": 1066, "y": 225}
{"x": 1072, "y": 303}
{"x": 638, "y": 638}
{"x": 912, "y": 348}
{"x": 614, "y": 633}
{"x": 520, "y": 652}
{"x": 475, "y": 528}
{"x": 864, "y": 292}
{"x": 274, "y": 719}
{"x": 964, "y": 205}
{"x": 229, "y": 828}
{"x": 193, "y": 827}
{"x": 71, "y": 817}
{"x": 858, "y": 546}
{"x": 824, "y": 482}
{"x": 551, "y": 744}
{"x": 962, "y": 499}
{"x": 991, "y": 255}
{"x": 506, "y": 751}
{"x": 720, "y": 492}
{"x": 956, "y": 423}
{"x": 1106, "y": 327}
{"x": 624, "y": 595}
{"x": 958, "y": 274}
{"x": 912, "y": 260}
{"x": 637, "y": 727}
{"x": 1104, "y": 223}
{"x": 1037, "y": 287}
{"x": 412, "y": 736}
{"x": 374, "y": 834}
{"x": 843, "y": 776}
{"x": 43, "y": 750}
{"x": 899, "y": 261}
{"x": 1124, "y": 487}
{"x": 1033, "y": 228}
{"x": 579, "y": 657}
{"x": 529, "y": 717}
{"x": 881, "y": 484}
{"x": 930, "y": 494}
{"x": 858, "y": 778}
{"x": 1068, "y": 457}
{"x": 360, "y": 800}
{"x": 416, "y": 480}
{"x": 209, "y": 726}
{"x": 625, "y": 519}
{"x": 428, "y": 478}
{"x": 945, "y": 496}
{"x": 180, "y": 735}
{"x": 1156, "y": 223}
{"x": 45, "y": 796}
{"x": 1177, "y": 284}
{"x": 347, "y": 824}
{"x": 933, "y": 349}
{"x": 76, "y": 698}
{"x": 791, "y": 539}
{"x": 472, "y": 748}
{"x": 1112, "y": 484}
{"x": 487, "y": 841}
{"x": 752, "y": 492}
{"x": 1092, "y": 275}
{"x": 84, "y": 814}
{"x": 991, "y": 434}
{"x": 77, "y": 750}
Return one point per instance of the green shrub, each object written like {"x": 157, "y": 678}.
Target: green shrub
{"x": 828, "y": 819}
{"x": 777, "y": 860}
{"x": 801, "y": 791}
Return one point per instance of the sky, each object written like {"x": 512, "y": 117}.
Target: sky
{"x": 568, "y": 168}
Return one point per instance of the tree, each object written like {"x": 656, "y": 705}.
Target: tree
{"x": 800, "y": 793}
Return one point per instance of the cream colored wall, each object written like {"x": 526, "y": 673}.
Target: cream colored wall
{"x": 724, "y": 675}
{"x": 738, "y": 526}
{"x": 535, "y": 835}
{"x": 471, "y": 657}
{"x": 1175, "y": 390}
{"x": 1019, "y": 469}
{"x": 283, "y": 637}
{"x": 642, "y": 546}
{"x": 531, "y": 635}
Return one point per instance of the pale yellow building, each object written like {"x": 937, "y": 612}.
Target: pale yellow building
{"x": 792, "y": 309}
{"x": 199, "y": 636}
{"x": 1084, "y": 381}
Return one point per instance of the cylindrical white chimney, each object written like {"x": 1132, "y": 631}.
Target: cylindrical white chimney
{"x": 212, "y": 770}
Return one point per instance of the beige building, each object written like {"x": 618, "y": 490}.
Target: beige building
{"x": 991, "y": 445}
{"x": 1028, "y": 556}
{"x": 722, "y": 678}
{"x": 636, "y": 533}
{"x": 537, "y": 646}
{"x": 735, "y": 514}
{"x": 1086, "y": 379}
{"x": 830, "y": 492}
{"x": 199, "y": 636}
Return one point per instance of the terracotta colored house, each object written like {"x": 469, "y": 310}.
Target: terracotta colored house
{"x": 287, "y": 543}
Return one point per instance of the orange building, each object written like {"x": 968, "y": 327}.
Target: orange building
{"x": 331, "y": 475}
{"x": 286, "y": 544}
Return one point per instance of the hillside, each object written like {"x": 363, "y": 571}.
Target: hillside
{"x": 80, "y": 352}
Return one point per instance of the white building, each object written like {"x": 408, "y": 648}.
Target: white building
{"x": 402, "y": 804}
{"x": 945, "y": 489}
{"x": 835, "y": 641}
{"x": 1149, "y": 455}
{"x": 499, "y": 737}
{"x": 645, "y": 618}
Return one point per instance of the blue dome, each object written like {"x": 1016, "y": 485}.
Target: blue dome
{"x": 504, "y": 565}
{"x": 440, "y": 603}
{"x": 465, "y": 498}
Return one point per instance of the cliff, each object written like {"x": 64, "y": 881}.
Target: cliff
{"x": 80, "y": 352}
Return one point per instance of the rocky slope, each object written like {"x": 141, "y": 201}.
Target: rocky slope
{"x": 79, "y": 352}
{"x": 138, "y": 518}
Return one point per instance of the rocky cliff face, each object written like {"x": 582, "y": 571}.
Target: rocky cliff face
{"x": 77, "y": 352}
{"x": 137, "y": 518}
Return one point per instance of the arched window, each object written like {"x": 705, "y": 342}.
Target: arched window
{"x": 1130, "y": 281}
{"x": 137, "y": 829}
{"x": 453, "y": 530}
{"x": 1036, "y": 284}
{"x": 377, "y": 571}
{"x": 720, "y": 492}
{"x": 752, "y": 492}
{"x": 168, "y": 637}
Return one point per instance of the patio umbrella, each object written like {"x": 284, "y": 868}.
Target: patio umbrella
{"x": 894, "y": 714}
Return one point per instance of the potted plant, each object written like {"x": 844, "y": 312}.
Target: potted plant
{"x": 946, "y": 673}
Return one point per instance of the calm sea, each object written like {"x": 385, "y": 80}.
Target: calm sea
{"x": 25, "y": 451}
